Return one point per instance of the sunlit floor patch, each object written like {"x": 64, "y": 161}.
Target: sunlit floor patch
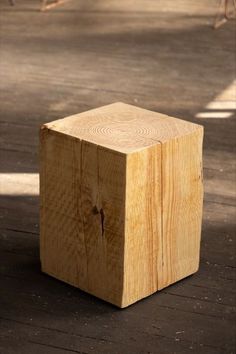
{"x": 214, "y": 114}
{"x": 24, "y": 184}
{"x": 231, "y": 105}
{"x": 223, "y": 106}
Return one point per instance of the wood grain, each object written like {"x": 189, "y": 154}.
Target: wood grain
{"x": 123, "y": 216}
{"x": 143, "y": 229}
{"x": 182, "y": 198}
{"x": 122, "y": 127}
{"x": 81, "y": 183}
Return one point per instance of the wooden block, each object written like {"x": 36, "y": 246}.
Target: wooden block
{"x": 121, "y": 201}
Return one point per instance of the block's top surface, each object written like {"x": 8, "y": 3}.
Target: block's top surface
{"x": 122, "y": 127}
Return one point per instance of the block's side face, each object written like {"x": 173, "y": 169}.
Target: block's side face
{"x": 60, "y": 237}
{"x": 143, "y": 249}
{"x": 82, "y": 214}
{"x": 182, "y": 193}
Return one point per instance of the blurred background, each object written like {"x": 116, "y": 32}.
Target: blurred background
{"x": 160, "y": 55}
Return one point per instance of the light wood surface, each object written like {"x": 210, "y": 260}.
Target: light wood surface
{"x": 122, "y": 127}
{"x": 121, "y": 201}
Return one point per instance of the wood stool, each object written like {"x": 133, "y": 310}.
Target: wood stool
{"x": 121, "y": 201}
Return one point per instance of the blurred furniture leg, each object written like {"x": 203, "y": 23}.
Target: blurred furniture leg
{"x": 12, "y": 2}
{"x": 224, "y": 13}
{"x": 47, "y": 6}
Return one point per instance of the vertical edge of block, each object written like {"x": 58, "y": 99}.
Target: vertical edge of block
{"x": 143, "y": 225}
{"x": 182, "y": 185}
{"x": 42, "y": 133}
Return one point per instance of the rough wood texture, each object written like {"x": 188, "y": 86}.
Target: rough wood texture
{"x": 121, "y": 201}
{"x": 81, "y": 182}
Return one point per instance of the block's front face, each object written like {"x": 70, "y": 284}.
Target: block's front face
{"x": 82, "y": 188}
